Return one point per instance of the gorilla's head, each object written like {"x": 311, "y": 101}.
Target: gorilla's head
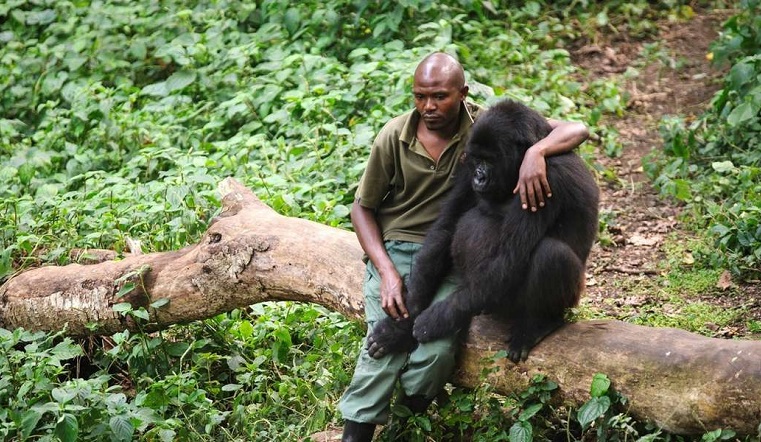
{"x": 497, "y": 143}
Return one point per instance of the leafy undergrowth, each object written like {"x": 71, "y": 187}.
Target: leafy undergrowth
{"x": 657, "y": 263}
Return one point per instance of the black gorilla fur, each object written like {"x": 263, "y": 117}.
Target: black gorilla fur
{"x": 524, "y": 267}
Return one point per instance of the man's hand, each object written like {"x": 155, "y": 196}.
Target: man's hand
{"x": 533, "y": 186}
{"x": 392, "y": 298}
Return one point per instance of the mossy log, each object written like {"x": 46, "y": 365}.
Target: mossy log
{"x": 682, "y": 382}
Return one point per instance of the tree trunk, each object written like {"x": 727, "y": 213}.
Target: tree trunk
{"x": 682, "y": 382}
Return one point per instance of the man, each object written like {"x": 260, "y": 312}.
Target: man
{"x": 410, "y": 169}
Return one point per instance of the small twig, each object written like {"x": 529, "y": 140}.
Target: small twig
{"x": 630, "y": 271}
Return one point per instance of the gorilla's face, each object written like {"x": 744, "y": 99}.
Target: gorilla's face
{"x": 492, "y": 169}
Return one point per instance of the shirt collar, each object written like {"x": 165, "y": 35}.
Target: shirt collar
{"x": 409, "y": 130}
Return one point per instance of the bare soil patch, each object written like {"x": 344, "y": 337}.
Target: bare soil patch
{"x": 625, "y": 278}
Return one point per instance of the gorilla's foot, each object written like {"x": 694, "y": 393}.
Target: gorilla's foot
{"x": 433, "y": 323}
{"x": 390, "y": 336}
{"x": 524, "y": 337}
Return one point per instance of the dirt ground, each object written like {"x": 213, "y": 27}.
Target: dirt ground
{"x": 627, "y": 275}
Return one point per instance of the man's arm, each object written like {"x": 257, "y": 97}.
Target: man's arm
{"x": 532, "y": 181}
{"x": 370, "y": 238}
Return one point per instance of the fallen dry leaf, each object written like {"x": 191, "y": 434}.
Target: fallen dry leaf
{"x": 639, "y": 240}
{"x": 725, "y": 281}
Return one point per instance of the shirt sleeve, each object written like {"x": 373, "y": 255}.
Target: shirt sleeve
{"x": 379, "y": 174}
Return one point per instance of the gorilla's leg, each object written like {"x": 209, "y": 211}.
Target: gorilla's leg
{"x": 554, "y": 282}
{"x": 445, "y": 317}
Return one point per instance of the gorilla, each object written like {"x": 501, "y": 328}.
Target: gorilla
{"x": 523, "y": 267}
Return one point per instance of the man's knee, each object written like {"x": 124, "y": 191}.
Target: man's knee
{"x": 429, "y": 368}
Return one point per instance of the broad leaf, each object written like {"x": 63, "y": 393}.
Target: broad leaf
{"x": 67, "y": 428}
{"x": 600, "y": 385}
{"x": 593, "y": 409}
{"x": 180, "y": 80}
{"x": 521, "y": 432}
{"x": 741, "y": 114}
{"x": 29, "y": 422}
{"x": 121, "y": 429}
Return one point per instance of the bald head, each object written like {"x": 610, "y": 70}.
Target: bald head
{"x": 439, "y": 90}
{"x": 443, "y": 67}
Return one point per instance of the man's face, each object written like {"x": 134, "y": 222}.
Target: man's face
{"x": 437, "y": 99}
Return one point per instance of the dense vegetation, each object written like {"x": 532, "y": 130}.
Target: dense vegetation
{"x": 714, "y": 163}
{"x": 118, "y": 118}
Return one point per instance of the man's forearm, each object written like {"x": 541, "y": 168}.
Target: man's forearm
{"x": 370, "y": 237}
{"x": 564, "y": 137}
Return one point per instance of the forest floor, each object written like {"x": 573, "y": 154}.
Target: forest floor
{"x": 628, "y": 279}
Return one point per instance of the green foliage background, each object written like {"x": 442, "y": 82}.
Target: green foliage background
{"x": 118, "y": 119}
{"x": 714, "y": 163}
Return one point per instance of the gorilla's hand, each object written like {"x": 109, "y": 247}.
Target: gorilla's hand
{"x": 390, "y": 336}
{"x": 433, "y": 323}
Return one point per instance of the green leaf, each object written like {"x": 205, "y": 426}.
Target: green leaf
{"x": 126, "y": 288}
{"x": 159, "y": 89}
{"x": 180, "y": 80}
{"x": 231, "y": 387}
{"x": 292, "y": 20}
{"x": 66, "y": 350}
{"x": 43, "y": 17}
{"x": 62, "y": 396}
{"x": 46, "y": 407}
{"x": 529, "y": 412}
{"x": 29, "y": 422}
{"x": 140, "y": 313}
{"x": 742, "y": 113}
{"x": 711, "y": 436}
{"x": 602, "y": 19}
{"x": 6, "y": 335}
{"x": 521, "y": 432}
{"x": 160, "y": 302}
{"x": 122, "y": 307}
{"x": 723, "y": 166}
{"x": 740, "y": 75}
{"x": 121, "y": 429}
{"x": 682, "y": 190}
{"x": 245, "y": 328}
{"x": 67, "y": 428}
{"x": 600, "y": 385}
{"x": 593, "y": 409}
{"x": 167, "y": 435}
{"x": 156, "y": 399}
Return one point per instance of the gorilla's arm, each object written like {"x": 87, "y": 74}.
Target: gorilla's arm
{"x": 434, "y": 261}
{"x": 432, "y": 264}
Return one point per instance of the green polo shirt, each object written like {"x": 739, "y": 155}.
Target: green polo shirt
{"x": 402, "y": 183}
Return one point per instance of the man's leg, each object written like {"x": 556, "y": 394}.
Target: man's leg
{"x": 368, "y": 399}
{"x": 431, "y": 364}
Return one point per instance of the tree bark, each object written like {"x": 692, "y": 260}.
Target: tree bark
{"x": 682, "y": 382}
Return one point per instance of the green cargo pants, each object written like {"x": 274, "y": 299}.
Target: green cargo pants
{"x": 424, "y": 371}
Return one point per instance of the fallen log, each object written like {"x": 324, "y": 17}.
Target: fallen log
{"x": 682, "y": 382}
